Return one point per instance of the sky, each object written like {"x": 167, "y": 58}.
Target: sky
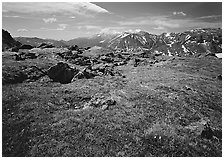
{"x": 69, "y": 20}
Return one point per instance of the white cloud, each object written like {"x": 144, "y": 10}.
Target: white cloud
{"x": 166, "y": 23}
{"x": 49, "y": 20}
{"x": 179, "y": 13}
{"x": 64, "y": 8}
{"x": 62, "y": 26}
{"x": 11, "y": 16}
{"x": 210, "y": 16}
{"x": 89, "y": 27}
{"x": 72, "y": 17}
{"x": 22, "y": 30}
{"x": 159, "y": 28}
{"x": 159, "y": 21}
{"x": 113, "y": 30}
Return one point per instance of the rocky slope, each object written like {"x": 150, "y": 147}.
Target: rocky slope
{"x": 8, "y": 41}
{"x": 181, "y": 44}
{"x": 101, "y": 39}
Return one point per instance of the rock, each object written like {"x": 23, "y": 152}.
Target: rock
{"x": 44, "y": 45}
{"x": 219, "y": 77}
{"x": 74, "y": 48}
{"x": 100, "y": 101}
{"x": 207, "y": 132}
{"x": 25, "y": 55}
{"x": 85, "y": 73}
{"x": 61, "y": 73}
{"x": 211, "y": 54}
{"x": 18, "y": 57}
{"x": 33, "y": 73}
{"x": 14, "y": 49}
{"x": 87, "y": 48}
{"x": 26, "y": 47}
{"x": 106, "y": 59}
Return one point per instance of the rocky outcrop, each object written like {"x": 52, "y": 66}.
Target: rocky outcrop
{"x": 44, "y": 45}
{"x": 26, "y": 47}
{"x": 61, "y": 73}
{"x": 8, "y": 41}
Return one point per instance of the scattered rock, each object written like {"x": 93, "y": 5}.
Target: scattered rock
{"x": 33, "y": 73}
{"x": 85, "y": 73}
{"x": 106, "y": 59}
{"x": 13, "y": 77}
{"x": 100, "y": 101}
{"x": 44, "y": 45}
{"x": 74, "y": 48}
{"x": 61, "y": 73}
{"x": 25, "y": 55}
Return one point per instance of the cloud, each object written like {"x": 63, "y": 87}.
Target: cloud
{"x": 89, "y": 27}
{"x": 72, "y": 17}
{"x": 64, "y": 8}
{"x": 49, "y": 20}
{"x": 162, "y": 21}
{"x": 11, "y": 16}
{"x": 22, "y": 30}
{"x": 166, "y": 23}
{"x": 179, "y": 13}
{"x": 62, "y": 26}
{"x": 159, "y": 28}
{"x": 113, "y": 30}
{"x": 210, "y": 16}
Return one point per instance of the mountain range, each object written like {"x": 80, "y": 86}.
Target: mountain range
{"x": 185, "y": 43}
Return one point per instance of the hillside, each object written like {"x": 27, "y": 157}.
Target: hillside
{"x": 34, "y": 41}
{"x": 8, "y": 41}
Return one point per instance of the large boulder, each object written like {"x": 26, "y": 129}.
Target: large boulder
{"x": 61, "y": 73}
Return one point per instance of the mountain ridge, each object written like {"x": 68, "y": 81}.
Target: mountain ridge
{"x": 189, "y": 42}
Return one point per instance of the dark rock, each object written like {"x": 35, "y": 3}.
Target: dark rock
{"x": 219, "y": 77}
{"x": 211, "y": 54}
{"x": 87, "y": 48}
{"x": 207, "y": 133}
{"x": 18, "y": 57}
{"x": 8, "y": 41}
{"x": 26, "y": 47}
{"x": 14, "y": 49}
{"x": 61, "y": 73}
{"x": 74, "y": 48}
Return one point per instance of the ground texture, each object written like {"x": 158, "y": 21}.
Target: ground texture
{"x": 157, "y": 110}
